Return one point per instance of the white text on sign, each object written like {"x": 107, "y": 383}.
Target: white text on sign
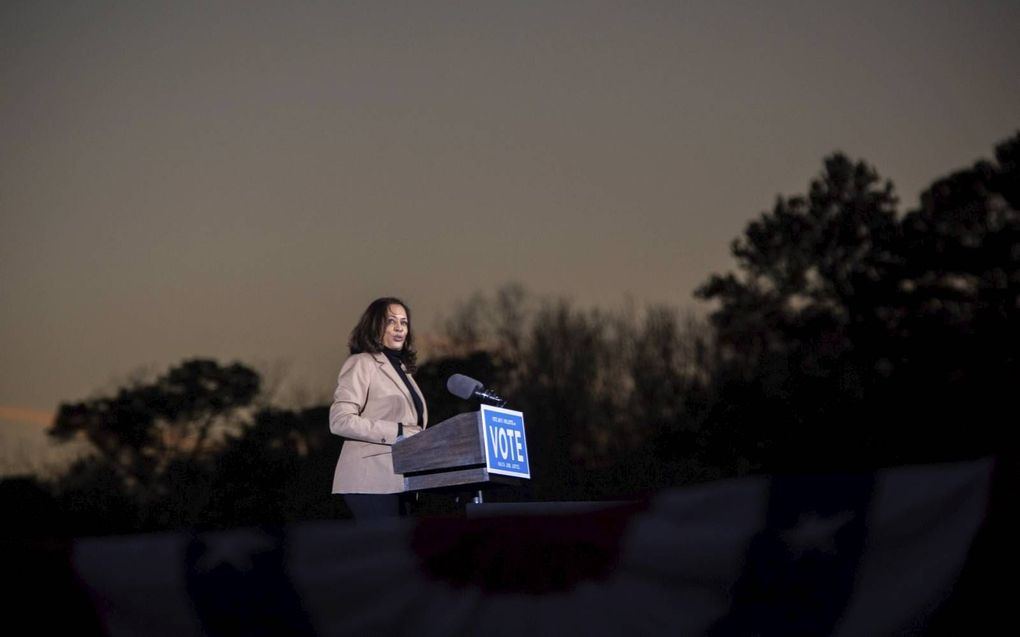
{"x": 506, "y": 444}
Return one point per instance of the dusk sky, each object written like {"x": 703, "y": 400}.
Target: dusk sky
{"x": 239, "y": 180}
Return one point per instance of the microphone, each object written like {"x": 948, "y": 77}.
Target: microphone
{"x": 468, "y": 388}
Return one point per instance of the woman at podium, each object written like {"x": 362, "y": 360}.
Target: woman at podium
{"x": 376, "y": 402}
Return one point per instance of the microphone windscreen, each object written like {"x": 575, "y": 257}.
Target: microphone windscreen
{"x": 462, "y": 386}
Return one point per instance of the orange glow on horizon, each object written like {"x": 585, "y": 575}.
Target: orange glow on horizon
{"x": 26, "y": 415}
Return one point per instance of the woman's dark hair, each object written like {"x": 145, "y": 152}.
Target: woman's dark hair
{"x": 366, "y": 337}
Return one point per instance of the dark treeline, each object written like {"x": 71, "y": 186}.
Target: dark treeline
{"x": 850, "y": 336}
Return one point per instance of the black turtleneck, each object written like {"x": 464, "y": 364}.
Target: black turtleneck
{"x": 394, "y": 357}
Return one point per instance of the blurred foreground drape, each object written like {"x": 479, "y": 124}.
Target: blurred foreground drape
{"x": 849, "y": 554}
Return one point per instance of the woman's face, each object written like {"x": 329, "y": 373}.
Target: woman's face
{"x": 397, "y": 327}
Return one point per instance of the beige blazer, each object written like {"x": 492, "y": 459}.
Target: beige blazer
{"x": 370, "y": 399}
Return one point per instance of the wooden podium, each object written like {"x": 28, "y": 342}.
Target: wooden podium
{"x": 446, "y": 454}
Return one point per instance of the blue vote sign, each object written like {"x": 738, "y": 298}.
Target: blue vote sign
{"x": 506, "y": 448}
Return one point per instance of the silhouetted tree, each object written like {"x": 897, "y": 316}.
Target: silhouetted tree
{"x": 277, "y": 469}
{"x": 806, "y": 265}
{"x": 144, "y": 427}
{"x": 814, "y": 274}
{"x": 848, "y": 333}
{"x": 601, "y": 390}
{"x": 670, "y": 361}
{"x": 433, "y": 374}
{"x": 958, "y": 315}
{"x": 152, "y": 438}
